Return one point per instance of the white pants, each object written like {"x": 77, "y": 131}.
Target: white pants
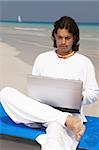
{"x": 23, "y": 109}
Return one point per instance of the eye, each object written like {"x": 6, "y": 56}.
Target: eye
{"x": 68, "y": 37}
{"x": 60, "y": 37}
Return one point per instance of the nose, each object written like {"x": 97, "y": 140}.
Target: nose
{"x": 63, "y": 41}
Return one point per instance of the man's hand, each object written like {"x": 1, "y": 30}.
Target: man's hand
{"x": 76, "y": 126}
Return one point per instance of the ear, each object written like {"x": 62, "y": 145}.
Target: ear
{"x": 74, "y": 38}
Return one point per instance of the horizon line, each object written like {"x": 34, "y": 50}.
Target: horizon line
{"x": 42, "y": 22}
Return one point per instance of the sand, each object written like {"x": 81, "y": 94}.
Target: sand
{"x": 18, "y": 51}
{"x": 13, "y": 72}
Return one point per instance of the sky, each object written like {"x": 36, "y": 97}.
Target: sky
{"x": 48, "y": 11}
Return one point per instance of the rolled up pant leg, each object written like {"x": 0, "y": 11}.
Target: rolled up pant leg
{"x": 57, "y": 138}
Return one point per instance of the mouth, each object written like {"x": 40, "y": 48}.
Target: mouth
{"x": 63, "y": 47}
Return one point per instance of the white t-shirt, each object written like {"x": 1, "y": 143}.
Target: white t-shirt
{"x": 77, "y": 67}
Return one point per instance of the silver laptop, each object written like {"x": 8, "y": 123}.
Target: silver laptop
{"x": 62, "y": 94}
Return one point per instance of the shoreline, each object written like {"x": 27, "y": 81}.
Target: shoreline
{"x": 46, "y": 22}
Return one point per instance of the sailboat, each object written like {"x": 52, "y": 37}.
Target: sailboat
{"x": 19, "y": 19}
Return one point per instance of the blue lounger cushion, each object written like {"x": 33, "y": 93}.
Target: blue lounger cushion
{"x": 8, "y": 127}
{"x": 89, "y": 141}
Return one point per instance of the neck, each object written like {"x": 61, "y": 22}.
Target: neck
{"x": 65, "y": 55}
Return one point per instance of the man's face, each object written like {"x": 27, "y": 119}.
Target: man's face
{"x": 64, "y": 40}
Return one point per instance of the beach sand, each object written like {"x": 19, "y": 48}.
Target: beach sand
{"x": 13, "y": 72}
{"x": 18, "y": 51}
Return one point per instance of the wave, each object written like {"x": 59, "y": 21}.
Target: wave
{"x": 90, "y": 39}
{"x": 29, "y": 29}
{"x": 40, "y": 34}
{"x": 37, "y": 31}
{"x": 40, "y": 45}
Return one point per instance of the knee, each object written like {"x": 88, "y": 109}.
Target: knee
{"x": 54, "y": 127}
{"x": 54, "y": 124}
{"x": 5, "y": 92}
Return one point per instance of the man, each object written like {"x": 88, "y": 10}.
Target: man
{"x": 63, "y": 129}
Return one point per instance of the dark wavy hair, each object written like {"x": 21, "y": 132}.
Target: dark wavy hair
{"x": 69, "y": 24}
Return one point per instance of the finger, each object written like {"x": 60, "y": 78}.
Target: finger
{"x": 82, "y": 130}
{"x": 79, "y": 134}
{"x": 78, "y": 137}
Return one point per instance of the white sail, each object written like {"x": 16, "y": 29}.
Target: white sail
{"x": 19, "y": 19}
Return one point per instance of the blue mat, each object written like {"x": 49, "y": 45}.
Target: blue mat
{"x": 8, "y": 127}
{"x": 90, "y": 140}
